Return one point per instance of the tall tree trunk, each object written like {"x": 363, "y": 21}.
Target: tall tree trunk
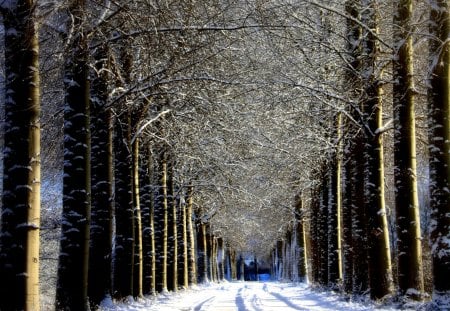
{"x": 410, "y": 271}
{"x": 102, "y": 169}
{"x": 242, "y": 268}
{"x": 123, "y": 258}
{"x": 138, "y": 253}
{"x": 233, "y": 265}
{"x": 210, "y": 254}
{"x": 185, "y": 249}
{"x": 314, "y": 236}
{"x": 355, "y": 250}
{"x": 72, "y": 284}
{"x": 20, "y": 211}
{"x": 191, "y": 233}
{"x": 165, "y": 227}
{"x": 334, "y": 212}
{"x": 202, "y": 253}
{"x": 347, "y": 221}
{"x": 380, "y": 269}
{"x": 439, "y": 149}
{"x": 174, "y": 227}
{"x": 323, "y": 232}
{"x": 300, "y": 241}
{"x": 359, "y": 223}
{"x": 148, "y": 239}
{"x": 221, "y": 258}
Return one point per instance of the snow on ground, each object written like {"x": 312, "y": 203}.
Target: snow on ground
{"x": 247, "y": 296}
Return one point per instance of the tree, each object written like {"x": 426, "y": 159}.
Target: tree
{"x": 20, "y": 210}
{"x": 439, "y": 148}
{"x": 380, "y": 269}
{"x": 335, "y": 209}
{"x": 123, "y": 257}
{"x": 71, "y": 292}
{"x": 100, "y": 251}
{"x": 410, "y": 271}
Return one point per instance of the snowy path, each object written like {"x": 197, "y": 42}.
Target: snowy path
{"x": 247, "y": 296}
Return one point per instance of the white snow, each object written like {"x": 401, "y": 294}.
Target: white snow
{"x": 246, "y": 296}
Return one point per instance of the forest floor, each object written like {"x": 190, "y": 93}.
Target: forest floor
{"x": 251, "y": 296}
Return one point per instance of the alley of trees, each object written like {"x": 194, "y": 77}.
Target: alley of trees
{"x": 164, "y": 141}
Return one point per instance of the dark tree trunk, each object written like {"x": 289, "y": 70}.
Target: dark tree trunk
{"x": 439, "y": 149}
{"x": 123, "y": 260}
{"x": 380, "y": 270}
{"x": 146, "y": 178}
{"x": 323, "y": 232}
{"x": 102, "y": 169}
{"x": 72, "y": 284}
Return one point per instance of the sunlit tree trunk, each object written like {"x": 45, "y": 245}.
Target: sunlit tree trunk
{"x": 138, "y": 253}
{"x": 334, "y": 211}
{"x": 20, "y": 211}
{"x": 300, "y": 241}
{"x": 102, "y": 178}
{"x": 191, "y": 233}
{"x": 72, "y": 283}
{"x": 380, "y": 269}
{"x": 439, "y": 149}
{"x": 410, "y": 271}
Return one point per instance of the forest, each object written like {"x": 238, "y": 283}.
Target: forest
{"x": 151, "y": 145}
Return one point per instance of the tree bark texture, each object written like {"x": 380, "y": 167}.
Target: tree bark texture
{"x": 102, "y": 177}
{"x": 409, "y": 267}
{"x": 72, "y": 284}
{"x": 380, "y": 269}
{"x": 123, "y": 257}
{"x": 439, "y": 148}
{"x": 20, "y": 212}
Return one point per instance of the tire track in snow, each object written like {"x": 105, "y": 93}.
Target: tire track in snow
{"x": 199, "y": 307}
{"x": 240, "y": 302}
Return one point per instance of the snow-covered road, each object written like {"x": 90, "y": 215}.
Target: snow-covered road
{"x": 246, "y": 296}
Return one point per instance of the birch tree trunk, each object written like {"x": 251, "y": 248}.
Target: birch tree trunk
{"x": 20, "y": 211}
